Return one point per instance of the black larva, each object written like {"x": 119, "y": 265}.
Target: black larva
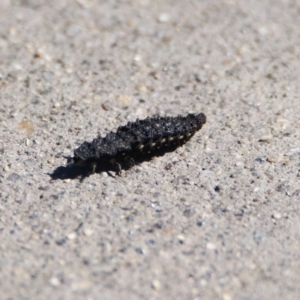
{"x": 136, "y": 142}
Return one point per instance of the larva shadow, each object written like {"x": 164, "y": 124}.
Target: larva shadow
{"x": 74, "y": 171}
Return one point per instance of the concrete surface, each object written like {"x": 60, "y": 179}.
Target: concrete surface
{"x": 216, "y": 219}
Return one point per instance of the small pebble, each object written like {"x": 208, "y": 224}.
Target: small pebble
{"x": 180, "y": 238}
{"x": 282, "y": 120}
{"x": 260, "y": 160}
{"x": 292, "y": 151}
{"x": 137, "y": 58}
{"x": 44, "y": 188}
{"x": 226, "y": 297}
{"x": 27, "y": 126}
{"x": 142, "y": 88}
{"x": 86, "y": 101}
{"x": 72, "y": 236}
{"x": 239, "y": 164}
{"x": 276, "y": 215}
{"x": 203, "y": 282}
{"x": 56, "y": 104}
{"x": 211, "y": 246}
{"x": 200, "y": 223}
{"x": 164, "y": 18}
{"x": 140, "y": 251}
{"x": 104, "y": 175}
{"x": 36, "y": 142}
{"x": 88, "y": 231}
{"x": 54, "y": 281}
{"x": 51, "y": 160}
{"x": 266, "y": 138}
{"x": 156, "y": 285}
{"x": 60, "y": 242}
{"x": 30, "y": 197}
{"x": 271, "y": 159}
{"x": 124, "y": 99}
{"x": 13, "y": 177}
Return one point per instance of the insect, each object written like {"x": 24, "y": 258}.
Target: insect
{"x": 136, "y": 142}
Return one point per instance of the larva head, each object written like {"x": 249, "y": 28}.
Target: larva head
{"x": 198, "y": 120}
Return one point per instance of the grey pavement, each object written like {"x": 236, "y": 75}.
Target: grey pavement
{"x": 216, "y": 219}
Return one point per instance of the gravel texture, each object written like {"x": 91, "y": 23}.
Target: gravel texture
{"x": 216, "y": 219}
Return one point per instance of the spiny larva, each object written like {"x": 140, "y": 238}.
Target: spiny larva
{"x": 136, "y": 142}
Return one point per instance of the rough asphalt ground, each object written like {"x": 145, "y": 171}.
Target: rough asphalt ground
{"x": 216, "y": 219}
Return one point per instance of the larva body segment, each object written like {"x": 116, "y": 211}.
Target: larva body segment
{"x": 138, "y": 141}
